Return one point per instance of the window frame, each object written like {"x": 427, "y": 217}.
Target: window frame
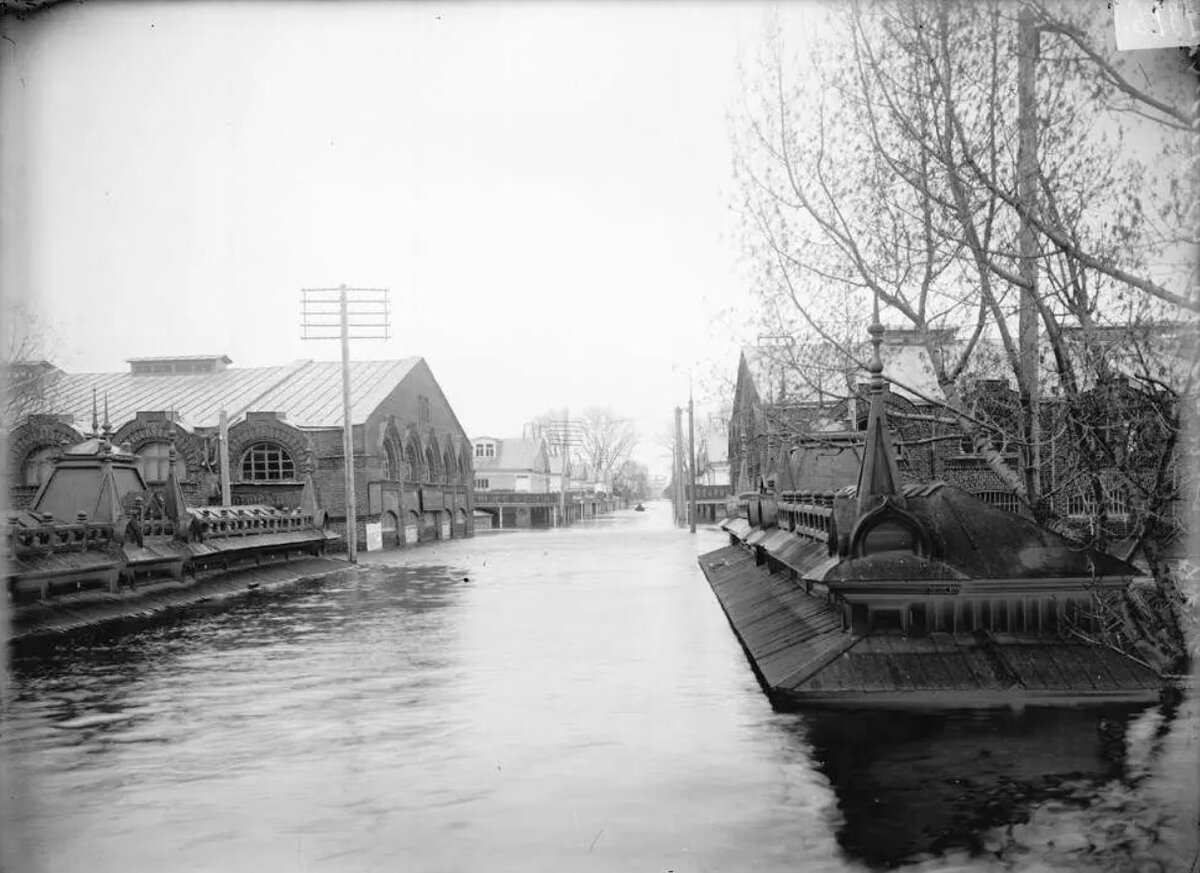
{"x": 263, "y": 449}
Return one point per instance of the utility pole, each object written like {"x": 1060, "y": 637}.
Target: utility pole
{"x": 565, "y": 434}
{"x": 1028, "y": 49}
{"x": 566, "y": 472}
{"x": 692, "y": 462}
{"x": 329, "y": 313}
{"x": 223, "y": 457}
{"x": 679, "y": 495}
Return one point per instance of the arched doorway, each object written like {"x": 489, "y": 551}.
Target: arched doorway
{"x": 390, "y": 525}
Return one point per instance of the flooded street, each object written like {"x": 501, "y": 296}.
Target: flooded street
{"x": 568, "y": 700}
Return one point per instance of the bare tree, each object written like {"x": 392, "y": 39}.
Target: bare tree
{"x": 27, "y": 377}
{"x": 606, "y": 441}
{"x": 902, "y": 160}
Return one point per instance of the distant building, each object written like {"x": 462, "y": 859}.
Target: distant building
{"x": 512, "y": 464}
{"x": 714, "y": 485}
{"x": 413, "y": 461}
{"x": 519, "y": 483}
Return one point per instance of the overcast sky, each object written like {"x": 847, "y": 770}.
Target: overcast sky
{"x": 544, "y": 189}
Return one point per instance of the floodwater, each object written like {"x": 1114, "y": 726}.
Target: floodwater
{"x": 566, "y": 700}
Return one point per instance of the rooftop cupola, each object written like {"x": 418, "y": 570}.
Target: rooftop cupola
{"x": 178, "y": 366}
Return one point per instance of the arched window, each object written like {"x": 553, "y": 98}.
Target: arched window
{"x": 414, "y": 463}
{"x": 37, "y": 466}
{"x": 432, "y": 474}
{"x": 392, "y": 461}
{"x": 154, "y": 460}
{"x": 449, "y": 468}
{"x": 267, "y": 462}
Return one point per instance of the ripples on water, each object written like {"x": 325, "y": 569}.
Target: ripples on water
{"x": 556, "y": 700}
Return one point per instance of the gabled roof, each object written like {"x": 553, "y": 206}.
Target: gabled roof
{"x": 778, "y": 378}
{"x": 308, "y": 393}
{"x": 515, "y": 453}
{"x": 908, "y": 366}
{"x": 814, "y": 373}
{"x": 714, "y": 443}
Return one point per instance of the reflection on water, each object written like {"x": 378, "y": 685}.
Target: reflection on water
{"x": 997, "y": 784}
{"x": 553, "y": 700}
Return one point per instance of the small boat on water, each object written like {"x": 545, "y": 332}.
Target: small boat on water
{"x": 639, "y": 508}
{"x": 888, "y": 594}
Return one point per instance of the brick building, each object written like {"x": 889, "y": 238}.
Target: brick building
{"x": 412, "y": 459}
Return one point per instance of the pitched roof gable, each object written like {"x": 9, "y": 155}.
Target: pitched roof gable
{"x": 308, "y": 393}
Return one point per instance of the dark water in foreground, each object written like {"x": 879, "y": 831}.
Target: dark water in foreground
{"x": 565, "y": 700}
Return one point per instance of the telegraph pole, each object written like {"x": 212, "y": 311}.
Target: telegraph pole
{"x": 328, "y": 313}
{"x": 565, "y": 433}
{"x": 692, "y": 462}
{"x": 679, "y": 494}
{"x": 566, "y": 472}
{"x": 1028, "y": 49}
{"x": 223, "y": 457}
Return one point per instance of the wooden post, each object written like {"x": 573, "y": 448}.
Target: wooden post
{"x": 679, "y": 493}
{"x": 1028, "y": 49}
{"x": 223, "y": 457}
{"x": 692, "y": 463}
{"x": 348, "y": 438}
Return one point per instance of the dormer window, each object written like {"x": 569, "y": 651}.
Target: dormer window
{"x": 485, "y": 450}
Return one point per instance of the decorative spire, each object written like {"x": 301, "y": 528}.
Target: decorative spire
{"x": 879, "y": 477}
{"x": 107, "y": 433}
{"x": 174, "y": 505}
{"x": 95, "y": 421}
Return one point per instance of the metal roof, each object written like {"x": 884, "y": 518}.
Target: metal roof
{"x": 312, "y": 396}
{"x": 308, "y": 393}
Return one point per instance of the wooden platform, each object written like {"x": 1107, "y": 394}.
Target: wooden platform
{"x": 801, "y": 654}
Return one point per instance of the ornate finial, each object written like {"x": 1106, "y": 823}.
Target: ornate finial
{"x": 879, "y": 476}
{"x": 95, "y": 420}
{"x": 171, "y": 455}
{"x": 876, "y": 330}
{"x": 107, "y": 425}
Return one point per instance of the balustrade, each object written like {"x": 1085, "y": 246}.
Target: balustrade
{"x": 248, "y": 521}
{"x": 57, "y": 536}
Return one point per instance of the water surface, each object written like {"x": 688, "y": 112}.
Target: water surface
{"x": 567, "y": 700}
